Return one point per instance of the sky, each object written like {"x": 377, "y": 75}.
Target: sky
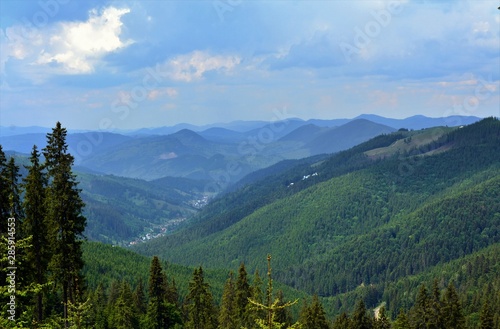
{"x": 105, "y": 65}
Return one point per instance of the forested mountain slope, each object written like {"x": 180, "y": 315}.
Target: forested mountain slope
{"x": 360, "y": 220}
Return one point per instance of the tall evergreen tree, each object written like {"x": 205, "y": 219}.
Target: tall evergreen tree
{"x": 14, "y": 194}
{"x": 271, "y": 307}
{"x": 4, "y": 193}
{"x": 255, "y": 312}
{"x": 139, "y": 298}
{"x": 360, "y": 318}
{"x": 228, "y": 314}
{"x": 243, "y": 292}
{"x": 98, "y": 315}
{"x": 172, "y": 296}
{"x": 160, "y": 313}
{"x": 486, "y": 317}
{"x": 382, "y": 321}
{"x": 64, "y": 213}
{"x": 124, "y": 315}
{"x": 452, "y": 309}
{"x": 420, "y": 313}
{"x": 313, "y": 316}
{"x": 342, "y": 322}
{"x": 199, "y": 302}
{"x": 435, "y": 308}
{"x": 34, "y": 225}
{"x": 283, "y": 314}
{"x": 401, "y": 321}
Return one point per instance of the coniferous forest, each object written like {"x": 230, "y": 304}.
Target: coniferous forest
{"x": 370, "y": 250}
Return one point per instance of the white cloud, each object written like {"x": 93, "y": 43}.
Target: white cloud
{"x": 66, "y": 47}
{"x": 78, "y": 46}
{"x": 193, "y": 66}
{"x": 169, "y": 91}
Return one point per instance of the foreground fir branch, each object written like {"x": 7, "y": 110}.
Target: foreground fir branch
{"x": 273, "y": 306}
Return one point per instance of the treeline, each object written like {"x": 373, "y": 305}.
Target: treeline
{"x": 41, "y": 233}
{"x": 251, "y": 303}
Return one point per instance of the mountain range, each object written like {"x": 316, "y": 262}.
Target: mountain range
{"x": 394, "y": 206}
{"x": 362, "y": 209}
{"x": 206, "y": 152}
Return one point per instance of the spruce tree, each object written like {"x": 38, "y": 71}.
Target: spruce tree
{"x": 420, "y": 313}
{"x": 139, "y": 298}
{"x": 65, "y": 219}
{"x": 313, "y": 316}
{"x": 228, "y": 314}
{"x": 382, "y": 321}
{"x": 199, "y": 303}
{"x": 342, "y": 322}
{"x": 486, "y": 317}
{"x": 435, "y": 308}
{"x": 14, "y": 198}
{"x": 4, "y": 193}
{"x": 124, "y": 314}
{"x": 401, "y": 321}
{"x": 243, "y": 292}
{"x": 172, "y": 296}
{"x": 34, "y": 225}
{"x": 255, "y": 312}
{"x": 283, "y": 314}
{"x": 98, "y": 314}
{"x": 360, "y": 318}
{"x": 160, "y": 312}
{"x": 272, "y": 305}
{"x": 452, "y": 309}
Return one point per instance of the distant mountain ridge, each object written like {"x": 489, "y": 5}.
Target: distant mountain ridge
{"x": 211, "y": 152}
{"x": 242, "y": 126}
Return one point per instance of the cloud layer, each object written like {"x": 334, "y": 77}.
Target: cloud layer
{"x": 221, "y": 60}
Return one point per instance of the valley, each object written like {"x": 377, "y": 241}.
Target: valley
{"x": 372, "y": 218}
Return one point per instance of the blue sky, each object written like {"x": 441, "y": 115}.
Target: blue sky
{"x": 131, "y": 64}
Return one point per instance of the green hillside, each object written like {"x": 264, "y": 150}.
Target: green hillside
{"x": 120, "y": 210}
{"x": 359, "y": 221}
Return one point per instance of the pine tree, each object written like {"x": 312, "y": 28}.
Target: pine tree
{"x": 420, "y": 313}
{"x": 34, "y": 225}
{"x": 255, "y": 312}
{"x": 452, "y": 309}
{"x": 199, "y": 303}
{"x": 401, "y": 321}
{"x": 172, "y": 296}
{"x": 283, "y": 314}
{"x": 124, "y": 314}
{"x": 113, "y": 293}
{"x": 360, "y": 318}
{"x": 486, "y": 317}
{"x": 342, "y": 322}
{"x": 14, "y": 198}
{"x": 243, "y": 292}
{"x": 272, "y": 305}
{"x": 160, "y": 312}
{"x": 64, "y": 213}
{"x": 228, "y": 314}
{"x": 4, "y": 193}
{"x": 313, "y": 316}
{"x": 98, "y": 314}
{"x": 435, "y": 308}
{"x": 139, "y": 298}
{"x": 382, "y": 322}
